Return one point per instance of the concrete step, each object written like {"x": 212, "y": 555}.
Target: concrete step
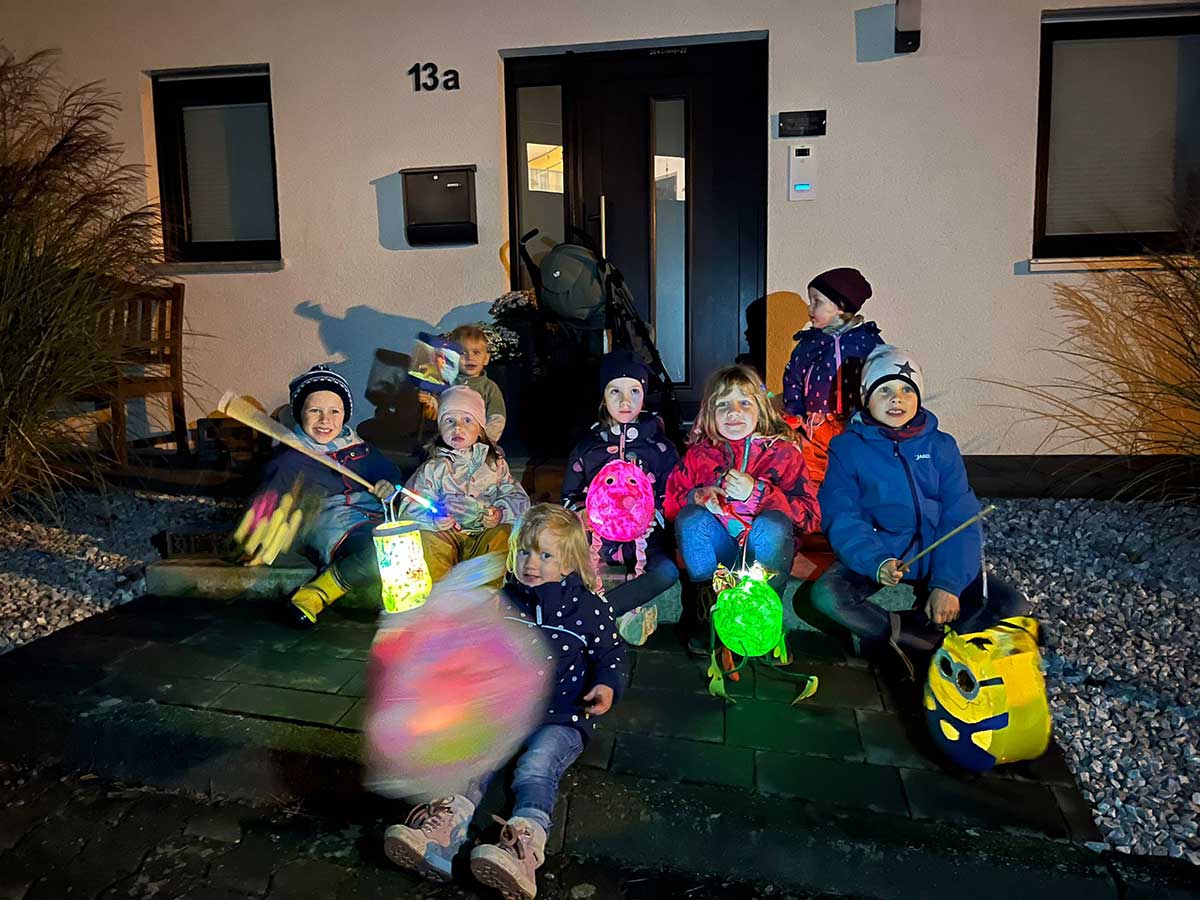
{"x": 217, "y": 579}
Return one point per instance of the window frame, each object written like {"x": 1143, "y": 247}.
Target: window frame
{"x": 1095, "y": 245}
{"x": 172, "y": 91}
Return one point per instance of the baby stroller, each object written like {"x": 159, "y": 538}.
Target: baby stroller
{"x": 585, "y": 294}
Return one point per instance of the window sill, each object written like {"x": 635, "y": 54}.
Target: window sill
{"x": 220, "y": 268}
{"x": 1092, "y": 264}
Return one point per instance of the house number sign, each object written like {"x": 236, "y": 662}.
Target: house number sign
{"x": 425, "y": 77}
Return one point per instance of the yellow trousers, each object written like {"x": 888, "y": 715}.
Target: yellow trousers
{"x": 445, "y": 549}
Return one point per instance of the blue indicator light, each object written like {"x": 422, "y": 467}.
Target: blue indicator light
{"x": 805, "y": 186}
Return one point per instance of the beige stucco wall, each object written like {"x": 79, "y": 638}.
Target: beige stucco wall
{"x": 926, "y": 174}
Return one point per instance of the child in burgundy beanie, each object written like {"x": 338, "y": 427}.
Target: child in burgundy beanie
{"x": 820, "y": 383}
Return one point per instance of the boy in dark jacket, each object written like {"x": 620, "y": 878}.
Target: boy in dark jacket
{"x": 895, "y": 485}
{"x": 549, "y": 593}
{"x": 339, "y": 533}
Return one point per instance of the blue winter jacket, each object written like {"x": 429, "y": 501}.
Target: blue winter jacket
{"x": 885, "y": 499}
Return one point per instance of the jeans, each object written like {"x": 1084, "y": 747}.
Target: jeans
{"x": 705, "y": 543}
{"x": 540, "y": 766}
{"x": 660, "y": 574}
{"x": 845, "y": 596}
{"x": 354, "y": 562}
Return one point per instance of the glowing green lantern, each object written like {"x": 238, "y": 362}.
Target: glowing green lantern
{"x": 748, "y": 616}
{"x": 403, "y": 575}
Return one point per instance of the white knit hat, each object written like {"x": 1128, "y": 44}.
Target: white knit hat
{"x": 886, "y": 363}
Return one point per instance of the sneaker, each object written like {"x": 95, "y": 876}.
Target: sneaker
{"x": 637, "y": 625}
{"x": 431, "y": 836}
{"x": 510, "y": 865}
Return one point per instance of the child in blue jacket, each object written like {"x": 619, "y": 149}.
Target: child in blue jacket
{"x": 895, "y": 485}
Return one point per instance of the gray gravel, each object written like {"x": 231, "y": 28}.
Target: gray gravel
{"x": 1115, "y": 585}
{"x": 1117, "y": 589}
{"x": 53, "y": 573}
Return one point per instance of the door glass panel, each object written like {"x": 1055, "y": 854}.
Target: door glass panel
{"x": 669, "y": 235}
{"x": 541, "y": 200}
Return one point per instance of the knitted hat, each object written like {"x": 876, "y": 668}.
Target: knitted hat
{"x": 462, "y": 399}
{"x": 886, "y": 363}
{"x": 622, "y": 364}
{"x": 318, "y": 378}
{"x": 845, "y": 287}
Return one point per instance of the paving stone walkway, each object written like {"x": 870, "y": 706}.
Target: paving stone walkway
{"x": 841, "y": 793}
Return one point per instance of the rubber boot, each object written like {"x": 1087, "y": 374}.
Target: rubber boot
{"x": 510, "y": 865}
{"x": 698, "y": 639}
{"x": 311, "y": 598}
{"x": 431, "y": 836}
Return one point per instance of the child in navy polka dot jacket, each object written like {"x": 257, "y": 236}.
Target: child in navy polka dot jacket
{"x": 820, "y": 383}
{"x": 549, "y": 563}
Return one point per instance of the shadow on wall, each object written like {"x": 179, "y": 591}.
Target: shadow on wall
{"x": 356, "y": 336}
{"x": 875, "y": 33}
{"x": 389, "y": 203}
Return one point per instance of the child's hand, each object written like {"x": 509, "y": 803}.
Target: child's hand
{"x": 942, "y": 607}
{"x": 737, "y": 485}
{"x": 889, "y": 573}
{"x": 383, "y": 489}
{"x": 492, "y": 517}
{"x": 598, "y": 700}
{"x": 445, "y": 523}
{"x": 429, "y": 405}
{"x": 709, "y": 497}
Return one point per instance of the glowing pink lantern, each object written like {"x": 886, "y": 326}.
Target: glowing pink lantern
{"x": 620, "y": 507}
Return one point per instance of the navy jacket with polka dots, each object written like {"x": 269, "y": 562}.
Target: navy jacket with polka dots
{"x": 581, "y": 641}
{"x": 823, "y": 361}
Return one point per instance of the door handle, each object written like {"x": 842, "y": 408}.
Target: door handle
{"x": 603, "y": 227}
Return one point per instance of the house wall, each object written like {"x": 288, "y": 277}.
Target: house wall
{"x": 926, "y": 174}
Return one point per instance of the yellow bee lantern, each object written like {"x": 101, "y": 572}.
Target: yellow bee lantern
{"x": 985, "y": 698}
{"x": 403, "y": 575}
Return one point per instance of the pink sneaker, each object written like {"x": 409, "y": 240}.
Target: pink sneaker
{"x": 510, "y": 865}
{"x": 428, "y": 841}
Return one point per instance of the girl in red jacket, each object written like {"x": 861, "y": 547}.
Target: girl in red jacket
{"x": 741, "y": 485}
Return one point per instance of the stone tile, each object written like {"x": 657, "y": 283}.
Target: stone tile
{"x": 892, "y": 740}
{"x": 664, "y": 640}
{"x": 668, "y": 672}
{"x": 357, "y": 685}
{"x": 336, "y": 640}
{"x": 773, "y": 726}
{"x": 307, "y": 672}
{"x": 599, "y": 750}
{"x": 282, "y": 703}
{"x": 179, "y": 690}
{"x": 689, "y": 761}
{"x": 991, "y": 803}
{"x": 355, "y": 718}
{"x": 248, "y": 866}
{"x": 236, "y": 638}
{"x": 839, "y": 686}
{"x": 1049, "y": 768}
{"x": 1078, "y": 814}
{"x": 693, "y": 716}
{"x": 831, "y": 781}
{"x": 65, "y": 649}
{"x": 176, "y": 660}
{"x": 558, "y": 826}
{"x": 815, "y": 645}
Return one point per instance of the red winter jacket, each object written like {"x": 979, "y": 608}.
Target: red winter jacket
{"x": 775, "y": 463}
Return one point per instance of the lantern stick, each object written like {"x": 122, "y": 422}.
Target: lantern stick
{"x": 237, "y": 408}
{"x": 987, "y": 510}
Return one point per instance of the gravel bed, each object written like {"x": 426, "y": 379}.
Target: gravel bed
{"x": 53, "y": 573}
{"x": 1116, "y": 587}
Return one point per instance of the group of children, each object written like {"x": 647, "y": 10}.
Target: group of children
{"x": 853, "y": 453}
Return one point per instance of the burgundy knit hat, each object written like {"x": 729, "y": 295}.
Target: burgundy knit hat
{"x": 845, "y": 287}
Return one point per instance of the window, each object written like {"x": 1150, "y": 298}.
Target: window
{"x": 545, "y": 167}
{"x": 1118, "y": 133}
{"x": 216, "y": 166}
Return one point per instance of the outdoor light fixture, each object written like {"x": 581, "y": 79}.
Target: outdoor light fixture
{"x": 908, "y": 26}
{"x": 403, "y": 574}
